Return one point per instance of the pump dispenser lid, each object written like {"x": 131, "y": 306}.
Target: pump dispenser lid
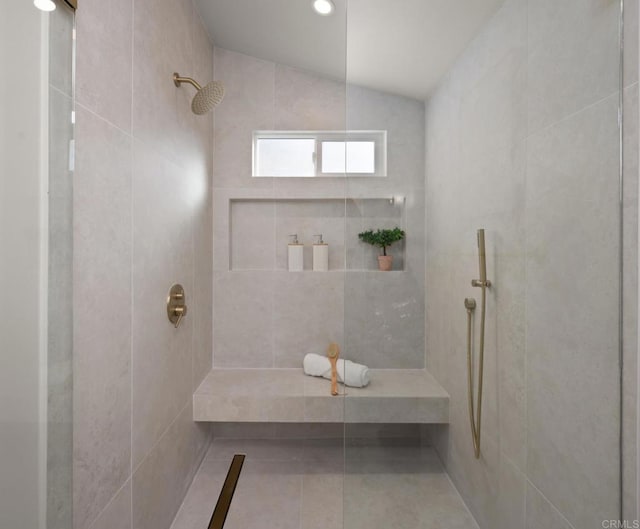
{"x": 294, "y": 239}
{"x": 319, "y": 239}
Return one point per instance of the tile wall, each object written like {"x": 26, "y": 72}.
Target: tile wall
{"x": 522, "y": 140}
{"x": 265, "y": 316}
{"x": 142, "y": 222}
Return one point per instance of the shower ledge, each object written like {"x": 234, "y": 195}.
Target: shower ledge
{"x": 287, "y": 395}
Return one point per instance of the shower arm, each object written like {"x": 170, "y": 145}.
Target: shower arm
{"x": 177, "y": 80}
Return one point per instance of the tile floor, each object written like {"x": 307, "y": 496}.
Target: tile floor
{"x": 323, "y": 484}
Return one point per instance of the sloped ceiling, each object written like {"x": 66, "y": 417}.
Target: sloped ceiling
{"x": 397, "y": 46}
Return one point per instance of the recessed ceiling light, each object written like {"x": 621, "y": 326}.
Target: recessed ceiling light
{"x": 323, "y": 7}
{"x": 44, "y": 5}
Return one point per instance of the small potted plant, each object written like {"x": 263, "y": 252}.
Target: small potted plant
{"x": 383, "y": 238}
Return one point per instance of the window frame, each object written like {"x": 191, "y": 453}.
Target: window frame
{"x": 378, "y": 137}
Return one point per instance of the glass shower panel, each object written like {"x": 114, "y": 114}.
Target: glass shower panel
{"x": 512, "y": 127}
{"x": 60, "y": 269}
{"x": 36, "y": 264}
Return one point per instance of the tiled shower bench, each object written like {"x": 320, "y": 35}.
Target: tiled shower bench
{"x": 287, "y": 395}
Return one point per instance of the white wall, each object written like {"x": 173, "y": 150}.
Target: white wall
{"x": 20, "y": 196}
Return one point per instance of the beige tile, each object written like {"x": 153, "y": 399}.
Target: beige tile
{"x": 118, "y": 513}
{"x": 322, "y": 501}
{"x": 163, "y": 478}
{"x": 541, "y": 514}
{"x": 304, "y": 101}
{"x": 244, "y": 430}
{"x": 201, "y": 127}
{"x": 195, "y": 512}
{"x": 630, "y": 131}
{"x": 221, "y": 233}
{"x": 510, "y": 506}
{"x": 242, "y": 319}
{"x": 404, "y": 495}
{"x": 102, "y": 309}
{"x": 309, "y": 430}
{"x": 384, "y": 319}
{"x": 572, "y": 352}
{"x": 630, "y": 42}
{"x": 248, "y": 105}
{"x": 104, "y": 36}
{"x": 257, "y": 449}
{"x": 268, "y": 495}
{"x": 307, "y": 315}
{"x": 252, "y": 240}
{"x": 573, "y": 57}
{"x": 630, "y": 312}
{"x": 202, "y": 298}
{"x": 163, "y": 255}
{"x": 162, "y": 114}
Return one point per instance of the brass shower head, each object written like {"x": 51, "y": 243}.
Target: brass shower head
{"x": 207, "y": 97}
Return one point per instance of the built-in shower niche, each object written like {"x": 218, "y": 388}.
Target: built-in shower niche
{"x": 260, "y": 230}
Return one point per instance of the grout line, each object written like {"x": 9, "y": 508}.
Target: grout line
{"x": 529, "y": 482}
{"x": 111, "y": 500}
{"x": 572, "y": 115}
{"x": 525, "y": 233}
{"x": 161, "y": 437}
{"x": 102, "y": 118}
{"x": 132, "y": 161}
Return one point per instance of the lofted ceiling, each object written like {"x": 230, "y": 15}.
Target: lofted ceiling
{"x": 397, "y": 46}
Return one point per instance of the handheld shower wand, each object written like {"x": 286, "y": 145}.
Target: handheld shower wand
{"x": 470, "y": 305}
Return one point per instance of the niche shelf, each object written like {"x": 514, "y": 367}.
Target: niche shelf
{"x": 259, "y": 230}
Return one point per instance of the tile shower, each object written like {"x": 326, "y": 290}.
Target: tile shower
{"x": 520, "y": 136}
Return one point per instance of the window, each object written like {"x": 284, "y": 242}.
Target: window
{"x": 319, "y": 153}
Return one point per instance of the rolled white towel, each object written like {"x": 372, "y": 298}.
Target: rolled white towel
{"x": 349, "y": 373}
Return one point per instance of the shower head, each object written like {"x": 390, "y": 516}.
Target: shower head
{"x": 207, "y": 97}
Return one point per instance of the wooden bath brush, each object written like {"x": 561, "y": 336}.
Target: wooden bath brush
{"x": 333, "y": 353}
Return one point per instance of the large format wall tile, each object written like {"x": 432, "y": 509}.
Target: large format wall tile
{"x": 630, "y": 71}
{"x": 162, "y": 479}
{"x": 573, "y": 57}
{"x": 547, "y": 72}
{"x": 304, "y": 101}
{"x": 143, "y": 210}
{"x": 511, "y": 504}
{"x": 118, "y": 513}
{"x": 572, "y": 314}
{"x": 104, "y": 37}
{"x": 162, "y": 112}
{"x": 162, "y": 256}
{"x": 242, "y": 319}
{"x": 630, "y": 299}
{"x": 247, "y": 333}
{"x": 541, "y": 514}
{"x": 308, "y": 315}
{"x": 248, "y": 106}
{"x": 253, "y": 235}
{"x": 102, "y": 308}
{"x": 202, "y": 295}
{"x": 384, "y": 318}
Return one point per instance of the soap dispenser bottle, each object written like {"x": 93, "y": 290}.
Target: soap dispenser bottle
{"x": 296, "y": 254}
{"x": 320, "y": 254}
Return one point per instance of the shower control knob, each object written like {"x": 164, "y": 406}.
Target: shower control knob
{"x": 176, "y": 305}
